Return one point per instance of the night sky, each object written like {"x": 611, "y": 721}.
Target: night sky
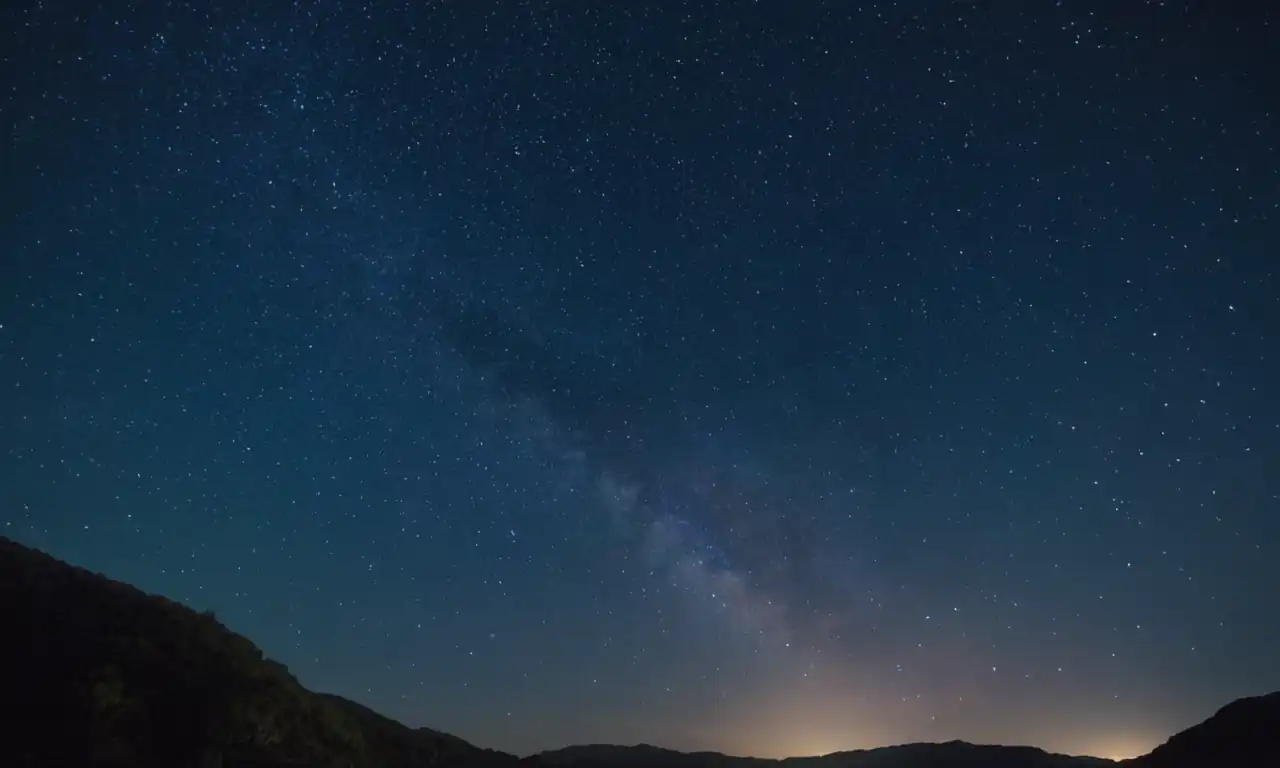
{"x": 767, "y": 377}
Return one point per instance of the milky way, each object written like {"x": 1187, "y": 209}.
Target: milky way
{"x": 773, "y": 378}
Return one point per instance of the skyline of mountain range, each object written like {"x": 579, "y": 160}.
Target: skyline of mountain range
{"x": 102, "y": 672}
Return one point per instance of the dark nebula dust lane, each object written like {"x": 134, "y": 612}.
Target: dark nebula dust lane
{"x": 772, "y": 378}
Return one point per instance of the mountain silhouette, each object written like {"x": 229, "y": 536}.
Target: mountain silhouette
{"x": 952, "y": 754}
{"x": 1246, "y": 732}
{"x": 96, "y": 673}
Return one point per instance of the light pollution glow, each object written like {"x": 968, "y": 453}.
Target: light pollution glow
{"x": 811, "y": 722}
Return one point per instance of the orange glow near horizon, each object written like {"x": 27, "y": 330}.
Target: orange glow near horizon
{"x": 812, "y": 731}
{"x": 1121, "y": 748}
{"x": 1116, "y": 745}
{"x": 837, "y": 712}
{"x": 801, "y": 743}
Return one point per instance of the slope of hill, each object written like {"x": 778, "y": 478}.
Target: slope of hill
{"x": 96, "y": 673}
{"x": 1246, "y": 732}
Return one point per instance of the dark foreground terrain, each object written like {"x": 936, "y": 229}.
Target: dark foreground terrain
{"x": 96, "y": 673}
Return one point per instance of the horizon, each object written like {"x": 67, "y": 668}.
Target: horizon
{"x": 1114, "y": 756}
{"x": 762, "y": 377}
{"x": 815, "y": 755}
{"x": 1127, "y": 750}
{"x": 798, "y": 756}
{"x": 647, "y": 746}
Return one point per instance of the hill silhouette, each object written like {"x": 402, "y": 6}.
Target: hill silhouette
{"x": 953, "y": 754}
{"x": 94, "y": 672}
{"x": 1246, "y": 732}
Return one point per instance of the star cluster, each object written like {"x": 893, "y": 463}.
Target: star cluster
{"x": 773, "y": 378}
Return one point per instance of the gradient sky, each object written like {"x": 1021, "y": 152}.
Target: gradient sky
{"x": 768, "y": 377}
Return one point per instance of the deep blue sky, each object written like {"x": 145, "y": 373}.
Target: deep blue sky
{"x": 770, "y": 377}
